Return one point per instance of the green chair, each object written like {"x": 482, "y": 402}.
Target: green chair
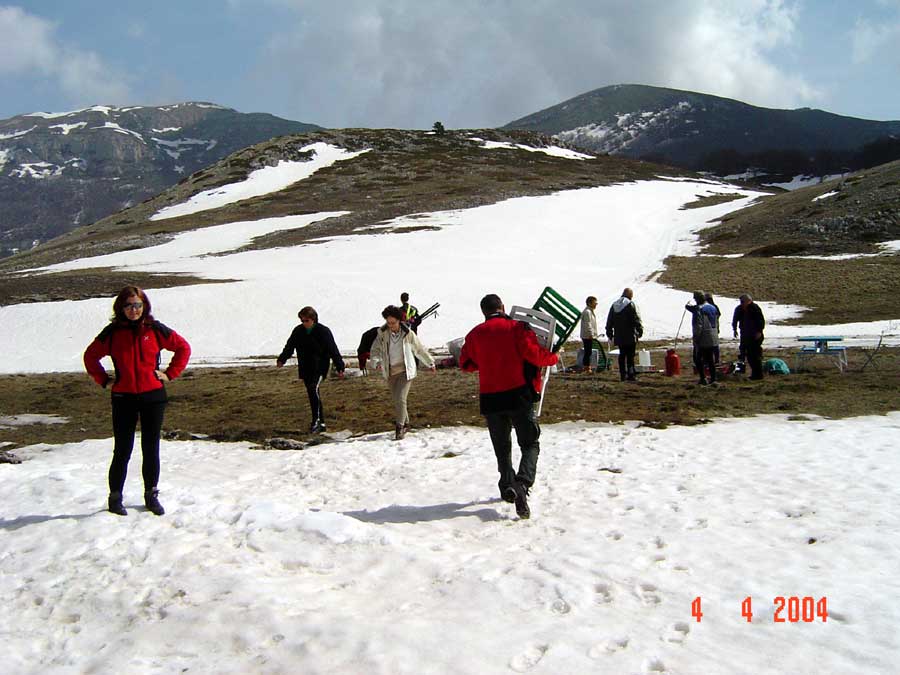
{"x": 603, "y": 361}
{"x": 565, "y": 313}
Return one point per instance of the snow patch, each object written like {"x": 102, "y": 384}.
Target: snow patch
{"x": 371, "y": 556}
{"x": 66, "y": 128}
{"x": 553, "y": 151}
{"x": 826, "y": 195}
{"x": 115, "y": 127}
{"x": 260, "y": 182}
{"x": 802, "y": 181}
{"x": 28, "y": 419}
{"x": 16, "y": 134}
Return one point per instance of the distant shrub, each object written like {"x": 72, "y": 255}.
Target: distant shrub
{"x": 778, "y": 248}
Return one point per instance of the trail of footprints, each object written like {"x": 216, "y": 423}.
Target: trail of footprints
{"x": 649, "y": 596}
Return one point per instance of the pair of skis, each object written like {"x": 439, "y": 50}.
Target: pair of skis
{"x": 431, "y": 311}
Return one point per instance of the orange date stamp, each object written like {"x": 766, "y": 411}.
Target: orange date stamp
{"x": 790, "y": 609}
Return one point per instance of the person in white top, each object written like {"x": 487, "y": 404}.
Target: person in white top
{"x": 589, "y": 331}
{"x": 397, "y": 347}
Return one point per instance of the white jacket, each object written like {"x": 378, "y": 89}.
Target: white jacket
{"x": 412, "y": 348}
{"x": 589, "y": 324}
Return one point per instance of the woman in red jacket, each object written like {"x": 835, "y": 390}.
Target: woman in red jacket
{"x": 133, "y": 339}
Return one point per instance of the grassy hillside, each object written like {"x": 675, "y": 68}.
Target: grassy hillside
{"x": 407, "y": 172}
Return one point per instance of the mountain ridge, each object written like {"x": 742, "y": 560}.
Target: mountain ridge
{"x": 711, "y": 133}
{"x": 61, "y": 170}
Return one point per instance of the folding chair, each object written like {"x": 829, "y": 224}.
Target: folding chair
{"x": 603, "y": 360}
{"x": 544, "y": 327}
{"x": 872, "y": 353}
{"x": 565, "y": 313}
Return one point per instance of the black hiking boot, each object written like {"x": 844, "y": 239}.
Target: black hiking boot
{"x": 317, "y": 427}
{"x": 151, "y": 501}
{"x": 508, "y": 495}
{"x": 521, "y": 501}
{"x": 399, "y": 432}
{"x": 115, "y": 504}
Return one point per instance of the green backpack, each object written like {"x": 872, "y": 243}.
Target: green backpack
{"x": 776, "y": 367}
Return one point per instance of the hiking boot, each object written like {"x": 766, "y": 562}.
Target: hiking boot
{"x": 508, "y": 495}
{"x": 151, "y": 501}
{"x": 399, "y": 432}
{"x": 115, "y": 504}
{"x": 521, "y": 501}
{"x": 317, "y": 427}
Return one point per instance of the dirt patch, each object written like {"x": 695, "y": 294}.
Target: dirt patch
{"x": 258, "y": 403}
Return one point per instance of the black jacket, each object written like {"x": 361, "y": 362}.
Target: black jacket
{"x": 623, "y": 323}
{"x": 314, "y": 351}
{"x": 750, "y": 319}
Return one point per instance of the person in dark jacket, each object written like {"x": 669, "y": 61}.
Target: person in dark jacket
{"x": 364, "y": 351}
{"x": 133, "y": 340}
{"x": 711, "y": 301}
{"x": 507, "y": 357}
{"x": 315, "y": 349}
{"x": 706, "y": 337}
{"x": 624, "y": 328}
{"x": 749, "y": 317}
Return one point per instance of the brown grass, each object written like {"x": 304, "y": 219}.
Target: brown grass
{"x": 836, "y": 291}
{"x": 259, "y": 403}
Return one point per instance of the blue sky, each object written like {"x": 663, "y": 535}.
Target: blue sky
{"x": 467, "y": 63}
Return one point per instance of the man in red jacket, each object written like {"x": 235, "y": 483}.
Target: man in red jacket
{"x": 508, "y": 358}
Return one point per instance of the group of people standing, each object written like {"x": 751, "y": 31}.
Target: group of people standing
{"x": 747, "y": 319}
{"x": 624, "y": 329}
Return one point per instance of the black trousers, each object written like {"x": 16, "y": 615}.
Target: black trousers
{"x": 626, "y": 361}
{"x": 705, "y": 356}
{"x": 754, "y": 358}
{"x": 126, "y": 410}
{"x": 315, "y": 402}
{"x": 500, "y": 425}
{"x": 588, "y": 348}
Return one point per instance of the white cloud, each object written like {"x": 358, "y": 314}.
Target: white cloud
{"x": 402, "y": 62}
{"x": 29, "y": 47}
{"x": 868, "y": 39}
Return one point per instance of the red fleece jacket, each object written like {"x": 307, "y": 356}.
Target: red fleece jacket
{"x": 135, "y": 352}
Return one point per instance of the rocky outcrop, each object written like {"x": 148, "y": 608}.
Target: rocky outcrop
{"x": 62, "y": 170}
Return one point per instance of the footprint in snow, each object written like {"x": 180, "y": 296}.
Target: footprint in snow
{"x": 654, "y": 665}
{"x": 604, "y": 594}
{"x": 676, "y": 633}
{"x": 608, "y": 647}
{"x": 528, "y": 659}
{"x": 647, "y": 594}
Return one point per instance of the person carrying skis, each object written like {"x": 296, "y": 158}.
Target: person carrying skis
{"x": 133, "y": 340}
{"x": 410, "y": 312}
{"x": 315, "y": 348}
{"x": 507, "y": 357}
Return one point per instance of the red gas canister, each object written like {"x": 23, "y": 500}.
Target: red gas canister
{"x": 673, "y": 363}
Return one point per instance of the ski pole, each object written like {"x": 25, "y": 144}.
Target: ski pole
{"x": 675, "y": 346}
